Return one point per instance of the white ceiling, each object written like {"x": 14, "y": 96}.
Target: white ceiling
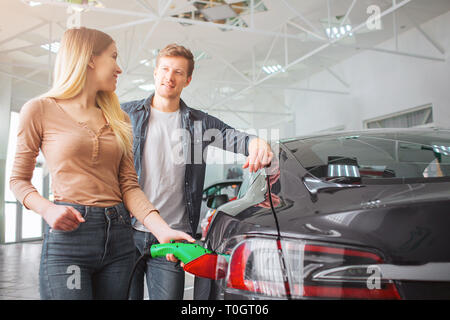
{"x": 228, "y": 80}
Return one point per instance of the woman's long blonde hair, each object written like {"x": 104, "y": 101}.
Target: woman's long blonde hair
{"x": 77, "y": 47}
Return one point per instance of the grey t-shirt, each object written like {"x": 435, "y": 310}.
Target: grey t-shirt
{"x": 163, "y": 169}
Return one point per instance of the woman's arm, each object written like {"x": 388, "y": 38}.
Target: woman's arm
{"x": 29, "y": 140}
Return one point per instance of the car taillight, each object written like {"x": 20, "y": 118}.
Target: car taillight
{"x": 299, "y": 269}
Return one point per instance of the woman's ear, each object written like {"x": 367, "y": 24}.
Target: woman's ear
{"x": 91, "y": 63}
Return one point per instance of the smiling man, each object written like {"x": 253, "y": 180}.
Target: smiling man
{"x": 169, "y": 141}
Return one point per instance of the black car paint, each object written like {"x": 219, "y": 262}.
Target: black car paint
{"x": 406, "y": 223}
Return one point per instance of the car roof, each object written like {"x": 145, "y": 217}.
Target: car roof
{"x": 367, "y": 132}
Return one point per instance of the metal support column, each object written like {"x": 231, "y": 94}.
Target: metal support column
{"x": 5, "y": 109}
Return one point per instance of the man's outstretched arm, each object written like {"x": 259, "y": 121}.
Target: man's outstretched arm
{"x": 258, "y": 151}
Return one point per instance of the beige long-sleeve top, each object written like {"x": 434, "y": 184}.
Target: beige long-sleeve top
{"x": 86, "y": 167}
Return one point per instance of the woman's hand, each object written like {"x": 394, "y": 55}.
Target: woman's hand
{"x": 60, "y": 217}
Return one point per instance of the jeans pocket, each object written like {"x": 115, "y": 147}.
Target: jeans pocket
{"x": 56, "y": 231}
{"x": 83, "y": 212}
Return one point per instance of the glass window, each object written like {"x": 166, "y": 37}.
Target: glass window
{"x": 409, "y": 119}
{"x": 31, "y": 221}
{"x": 31, "y": 226}
{"x": 376, "y": 156}
{"x": 12, "y": 140}
{"x": 10, "y": 222}
{"x": 249, "y": 178}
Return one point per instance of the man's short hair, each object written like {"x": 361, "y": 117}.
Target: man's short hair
{"x": 175, "y": 50}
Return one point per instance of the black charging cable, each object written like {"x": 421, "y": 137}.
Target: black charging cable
{"x": 146, "y": 254}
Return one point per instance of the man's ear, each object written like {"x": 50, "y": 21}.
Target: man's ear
{"x": 188, "y": 81}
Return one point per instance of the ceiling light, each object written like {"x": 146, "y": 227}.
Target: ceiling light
{"x": 53, "y": 47}
{"x": 335, "y": 32}
{"x": 226, "y": 90}
{"x": 138, "y": 81}
{"x": 92, "y": 3}
{"x": 145, "y": 62}
{"x": 273, "y": 69}
{"x": 33, "y": 3}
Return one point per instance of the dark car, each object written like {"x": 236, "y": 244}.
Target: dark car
{"x": 360, "y": 215}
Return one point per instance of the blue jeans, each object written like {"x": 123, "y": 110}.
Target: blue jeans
{"x": 94, "y": 261}
{"x": 165, "y": 279}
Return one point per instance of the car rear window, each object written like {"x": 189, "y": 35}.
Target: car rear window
{"x": 422, "y": 155}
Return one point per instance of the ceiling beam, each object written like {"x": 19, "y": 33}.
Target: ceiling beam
{"x": 226, "y": 62}
{"x": 28, "y": 76}
{"x": 33, "y": 28}
{"x": 348, "y": 12}
{"x": 128, "y": 24}
{"x": 337, "y": 77}
{"x": 280, "y": 87}
{"x": 310, "y": 54}
{"x": 269, "y": 52}
{"x": 233, "y": 28}
{"x": 399, "y": 53}
{"x": 298, "y": 14}
{"x": 103, "y": 10}
{"x": 39, "y": 84}
{"x": 135, "y": 56}
{"x": 434, "y": 43}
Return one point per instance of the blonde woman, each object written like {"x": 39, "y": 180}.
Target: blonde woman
{"x": 88, "y": 249}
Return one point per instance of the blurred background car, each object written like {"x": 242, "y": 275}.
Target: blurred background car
{"x": 217, "y": 193}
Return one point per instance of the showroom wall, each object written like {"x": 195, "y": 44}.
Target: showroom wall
{"x": 380, "y": 84}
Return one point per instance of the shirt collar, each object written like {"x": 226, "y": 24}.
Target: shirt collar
{"x": 148, "y": 102}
